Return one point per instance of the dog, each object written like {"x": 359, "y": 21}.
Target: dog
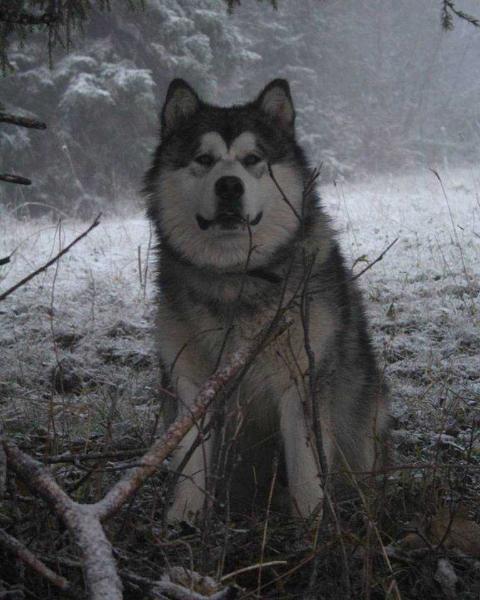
{"x": 241, "y": 235}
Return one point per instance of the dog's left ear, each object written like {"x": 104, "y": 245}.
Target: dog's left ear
{"x": 276, "y": 102}
{"x": 181, "y": 103}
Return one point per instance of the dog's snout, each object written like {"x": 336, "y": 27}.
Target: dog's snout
{"x": 229, "y": 187}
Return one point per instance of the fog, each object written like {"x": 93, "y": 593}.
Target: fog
{"x": 388, "y": 107}
{"x": 379, "y": 87}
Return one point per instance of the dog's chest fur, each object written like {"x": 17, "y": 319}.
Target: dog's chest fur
{"x": 205, "y": 315}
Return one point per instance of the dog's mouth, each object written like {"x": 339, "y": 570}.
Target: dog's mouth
{"x": 228, "y": 221}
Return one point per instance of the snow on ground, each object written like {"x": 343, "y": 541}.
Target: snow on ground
{"x": 76, "y": 342}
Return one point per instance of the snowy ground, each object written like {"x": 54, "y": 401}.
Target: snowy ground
{"x": 77, "y": 367}
{"x": 84, "y": 326}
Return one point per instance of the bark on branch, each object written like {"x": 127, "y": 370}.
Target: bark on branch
{"x": 18, "y": 179}
{"x": 21, "y": 121}
{"x": 84, "y": 520}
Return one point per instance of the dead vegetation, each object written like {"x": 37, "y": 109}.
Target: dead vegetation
{"x": 88, "y": 412}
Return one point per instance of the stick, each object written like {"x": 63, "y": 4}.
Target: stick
{"x": 159, "y": 451}
{"x": 103, "y": 582}
{"x": 52, "y": 261}
{"x": 378, "y": 259}
{"x": 284, "y": 196}
{"x": 75, "y": 458}
{"x": 22, "y": 18}
{"x": 21, "y": 121}
{"x": 24, "y": 554}
{"x": 84, "y": 520}
{"x": 18, "y": 179}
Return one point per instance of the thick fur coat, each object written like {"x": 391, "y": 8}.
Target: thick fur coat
{"x": 241, "y": 236}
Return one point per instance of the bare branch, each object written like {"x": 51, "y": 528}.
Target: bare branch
{"x": 101, "y": 575}
{"x": 15, "y": 17}
{"x": 52, "y": 261}
{"x": 374, "y": 262}
{"x": 449, "y": 8}
{"x": 83, "y": 521}
{"x": 77, "y": 458}
{"x": 18, "y": 179}
{"x": 21, "y": 121}
{"x": 13, "y": 545}
{"x": 161, "y": 449}
{"x": 284, "y": 196}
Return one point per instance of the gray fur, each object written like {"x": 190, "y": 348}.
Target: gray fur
{"x": 216, "y": 275}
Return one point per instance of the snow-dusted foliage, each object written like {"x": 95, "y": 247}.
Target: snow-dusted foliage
{"x": 377, "y": 86}
{"x": 78, "y": 339}
{"x": 101, "y": 100}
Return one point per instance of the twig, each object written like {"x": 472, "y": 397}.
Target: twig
{"x": 162, "y": 448}
{"x": 13, "y": 545}
{"x": 84, "y": 520}
{"x": 378, "y": 259}
{"x": 284, "y": 196}
{"x": 410, "y": 467}
{"x": 454, "y": 229}
{"x": 101, "y": 575}
{"x": 263, "y": 565}
{"x": 21, "y": 121}
{"x": 75, "y": 458}
{"x": 52, "y": 261}
{"x": 18, "y": 179}
{"x": 447, "y": 21}
{"x": 265, "y": 527}
{"x": 5, "y": 260}
{"x": 15, "y": 17}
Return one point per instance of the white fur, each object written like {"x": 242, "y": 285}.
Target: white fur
{"x": 190, "y": 191}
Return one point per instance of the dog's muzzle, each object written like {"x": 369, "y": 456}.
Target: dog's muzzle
{"x": 229, "y": 191}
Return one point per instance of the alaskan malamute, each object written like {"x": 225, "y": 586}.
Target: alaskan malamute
{"x": 242, "y": 234}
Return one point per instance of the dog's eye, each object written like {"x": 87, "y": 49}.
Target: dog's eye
{"x": 251, "y": 159}
{"x": 206, "y": 160}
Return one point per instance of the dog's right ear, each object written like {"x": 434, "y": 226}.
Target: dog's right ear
{"x": 180, "y": 104}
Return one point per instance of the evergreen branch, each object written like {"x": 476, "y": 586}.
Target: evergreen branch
{"x": 21, "y": 121}
{"x": 14, "y": 17}
{"x": 447, "y": 21}
{"x": 15, "y": 179}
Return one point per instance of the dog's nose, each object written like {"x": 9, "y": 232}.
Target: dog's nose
{"x": 229, "y": 187}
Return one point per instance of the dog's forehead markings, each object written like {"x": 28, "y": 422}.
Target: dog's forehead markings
{"x": 213, "y": 142}
{"x": 244, "y": 143}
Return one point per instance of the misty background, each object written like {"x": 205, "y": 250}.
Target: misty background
{"x": 379, "y": 88}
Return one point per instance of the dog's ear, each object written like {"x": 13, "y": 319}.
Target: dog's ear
{"x": 276, "y": 101}
{"x": 181, "y": 103}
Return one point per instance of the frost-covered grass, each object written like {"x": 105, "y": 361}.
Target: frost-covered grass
{"x": 78, "y": 372}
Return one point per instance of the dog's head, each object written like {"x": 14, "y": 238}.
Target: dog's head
{"x": 227, "y": 183}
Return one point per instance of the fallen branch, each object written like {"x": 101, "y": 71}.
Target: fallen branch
{"x": 52, "y": 261}
{"x": 87, "y": 456}
{"x": 22, "y": 553}
{"x": 21, "y": 121}
{"x": 84, "y": 521}
{"x": 162, "y": 448}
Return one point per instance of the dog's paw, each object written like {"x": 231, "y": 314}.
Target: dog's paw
{"x": 187, "y": 505}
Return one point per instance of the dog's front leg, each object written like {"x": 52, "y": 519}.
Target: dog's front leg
{"x": 189, "y": 493}
{"x": 302, "y": 462}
